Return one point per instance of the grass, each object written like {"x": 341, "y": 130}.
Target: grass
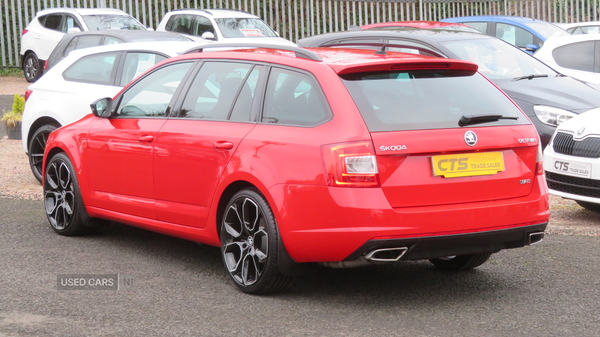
{"x": 13, "y": 72}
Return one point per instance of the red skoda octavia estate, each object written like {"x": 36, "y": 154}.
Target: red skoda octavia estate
{"x": 289, "y": 156}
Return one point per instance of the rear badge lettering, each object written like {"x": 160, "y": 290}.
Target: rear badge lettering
{"x": 526, "y": 181}
{"x": 527, "y": 140}
{"x": 392, "y": 148}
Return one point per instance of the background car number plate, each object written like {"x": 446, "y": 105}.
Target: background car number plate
{"x": 467, "y": 164}
{"x": 573, "y": 168}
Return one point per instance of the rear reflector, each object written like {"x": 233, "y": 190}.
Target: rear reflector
{"x": 350, "y": 164}
{"x": 27, "y": 94}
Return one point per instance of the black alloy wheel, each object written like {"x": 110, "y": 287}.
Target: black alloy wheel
{"x": 249, "y": 244}
{"x": 36, "y": 148}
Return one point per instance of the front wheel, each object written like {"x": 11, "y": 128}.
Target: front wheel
{"x": 37, "y": 145}
{"x": 464, "y": 262}
{"x": 62, "y": 199}
{"x": 249, "y": 244}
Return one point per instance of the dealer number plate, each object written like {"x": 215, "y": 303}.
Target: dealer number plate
{"x": 467, "y": 164}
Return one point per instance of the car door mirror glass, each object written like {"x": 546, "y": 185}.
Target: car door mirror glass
{"x": 102, "y": 107}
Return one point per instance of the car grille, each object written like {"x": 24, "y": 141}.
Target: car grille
{"x": 587, "y": 148}
{"x": 573, "y": 185}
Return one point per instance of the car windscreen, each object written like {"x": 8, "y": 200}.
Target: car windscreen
{"x": 244, "y": 27}
{"x": 497, "y": 59}
{"x": 428, "y": 99}
{"x": 546, "y": 29}
{"x": 108, "y": 22}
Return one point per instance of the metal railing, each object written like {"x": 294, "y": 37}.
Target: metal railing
{"x": 295, "y": 19}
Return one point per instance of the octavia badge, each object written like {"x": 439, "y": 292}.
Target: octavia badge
{"x": 470, "y": 138}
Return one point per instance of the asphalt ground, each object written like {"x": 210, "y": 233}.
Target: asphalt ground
{"x": 178, "y": 288}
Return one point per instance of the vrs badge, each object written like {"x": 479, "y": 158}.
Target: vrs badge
{"x": 470, "y": 138}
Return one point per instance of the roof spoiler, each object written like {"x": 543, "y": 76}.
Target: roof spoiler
{"x": 300, "y": 52}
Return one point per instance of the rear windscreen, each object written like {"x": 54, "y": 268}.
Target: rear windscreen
{"x": 428, "y": 99}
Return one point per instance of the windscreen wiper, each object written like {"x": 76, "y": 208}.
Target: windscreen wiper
{"x": 477, "y": 119}
{"x": 529, "y": 77}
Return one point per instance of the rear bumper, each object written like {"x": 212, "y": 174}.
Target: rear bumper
{"x": 323, "y": 224}
{"x": 461, "y": 244}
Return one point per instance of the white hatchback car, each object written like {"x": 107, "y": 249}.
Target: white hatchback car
{"x": 572, "y": 160}
{"x": 220, "y": 25}
{"x": 65, "y": 93}
{"x": 573, "y": 55}
{"x": 48, "y": 27}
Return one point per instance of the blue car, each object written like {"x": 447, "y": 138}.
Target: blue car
{"x": 526, "y": 33}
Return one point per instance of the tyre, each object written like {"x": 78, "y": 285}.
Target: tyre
{"x": 249, "y": 244}
{"x": 589, "y": 205}
{"x": 464, "y": 262}
{"x": 31, "y": 68}
{"x": 36, "y": 148}
{"x": 62, "y": 199}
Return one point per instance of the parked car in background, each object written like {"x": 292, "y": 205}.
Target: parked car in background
{"x": 46, "y": 29}
{"x": 220, "y": 25}
{"x": 285, "y": 158}
{"x": 74, "y": 41}
{"x": 577, "y": 28}
{"x": 64, "y": 94}
{"x": 421, "y": 25}
{"x": 572, "y": 160}
{"x": 547, "y": 97}
{"x": 526, "y": 33}
{"x": 575, "y": 55}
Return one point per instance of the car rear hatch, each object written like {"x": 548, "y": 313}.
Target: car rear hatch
{"x": 444, "y": 135}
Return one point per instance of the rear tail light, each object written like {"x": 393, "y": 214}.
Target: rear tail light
{"x": 24, "y": 32}
{"x": 46, "y": 65}
{"x": 351, "y": 164}
{"x": 27, "y": 94}
{"x": 539, "y": 161}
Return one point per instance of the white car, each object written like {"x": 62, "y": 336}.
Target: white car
{"x": 572, "y": 160}
{"x": 576, "y": 28}
{"x": 64, "y": 94}
{"x": 220, "y": 25}
{"x": 573, "y": 55}
{"x": 48, "y": 27}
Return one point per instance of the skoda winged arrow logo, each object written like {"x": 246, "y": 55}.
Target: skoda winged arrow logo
{"x": 580, "y": 131}
{"x": 470, "y": 138}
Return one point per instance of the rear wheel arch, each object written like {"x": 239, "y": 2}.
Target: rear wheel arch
{"x": 39, "y": 123}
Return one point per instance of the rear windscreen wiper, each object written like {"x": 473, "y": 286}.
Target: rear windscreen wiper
{"x": 528, "y": 77}
{"x": 477, "y": 119}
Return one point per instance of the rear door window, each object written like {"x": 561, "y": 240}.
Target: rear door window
{"x": 53, "y": 21}
{"x": 136, "y": 63}
{"x": 180, "y": 23}
{"x": 514, "y": 35}
{"x": 480, "y": 26}
{"x": 427, "y": 99}
{"x": 96, "y": 69}
{"x": 578, "y": 56}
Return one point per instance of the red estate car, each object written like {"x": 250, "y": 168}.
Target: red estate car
{"x": 288, "y": 156}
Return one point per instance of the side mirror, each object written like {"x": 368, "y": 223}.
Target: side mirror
{"x": 150, "y": 29}
{"x": 102, "y": 108}
{"x": 73, "y": 30}
{"x": 531, "y": 48}
{"x": 208, "y": 36}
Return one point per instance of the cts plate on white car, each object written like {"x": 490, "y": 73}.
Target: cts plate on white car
{"x": 572, "y": 160}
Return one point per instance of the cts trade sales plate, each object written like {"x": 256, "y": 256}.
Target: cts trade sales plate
{"x": 573, "y": 168}
{"x": 467, "y": 164}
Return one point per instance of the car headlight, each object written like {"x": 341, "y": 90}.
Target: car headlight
{"x": 552, "y": 116}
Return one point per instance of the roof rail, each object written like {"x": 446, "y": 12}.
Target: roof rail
{"x": 208, "y": 10}
{"x": 300, "y": 52}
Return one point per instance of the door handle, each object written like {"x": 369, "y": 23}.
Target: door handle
{"x": 223, "y": 145}
{"x": 146, "y": 139}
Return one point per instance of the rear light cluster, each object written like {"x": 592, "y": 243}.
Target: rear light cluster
{"x": 539, "y": 161}
{"x": 24, "y": 32}
{"x": 27, "y": 94}
{"x": 351, "y": 164}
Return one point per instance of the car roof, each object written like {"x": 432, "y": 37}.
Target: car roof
{"x": 132, "y": 35}
{"x": 416, "y": 24}
{"x": 562, "y": 40}
{"x": 216, "y": 13}
{"x": 341, "y": 60}
{"x": 426, "y": 35}
{"x": 507, "y": 18}
{"x": 171, "y": 48}
{"x": 578, "y": 24}
{"x": 82, "y": 11}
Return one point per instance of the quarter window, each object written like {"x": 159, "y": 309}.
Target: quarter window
{"x": 92, "y": 69}
{"x": 221, "y": 91}
{"x": 480, "y": 26}
{"x": 578, "y": 56}
{"x": 294, "y": 98}
{"x": 150, "y": 97}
